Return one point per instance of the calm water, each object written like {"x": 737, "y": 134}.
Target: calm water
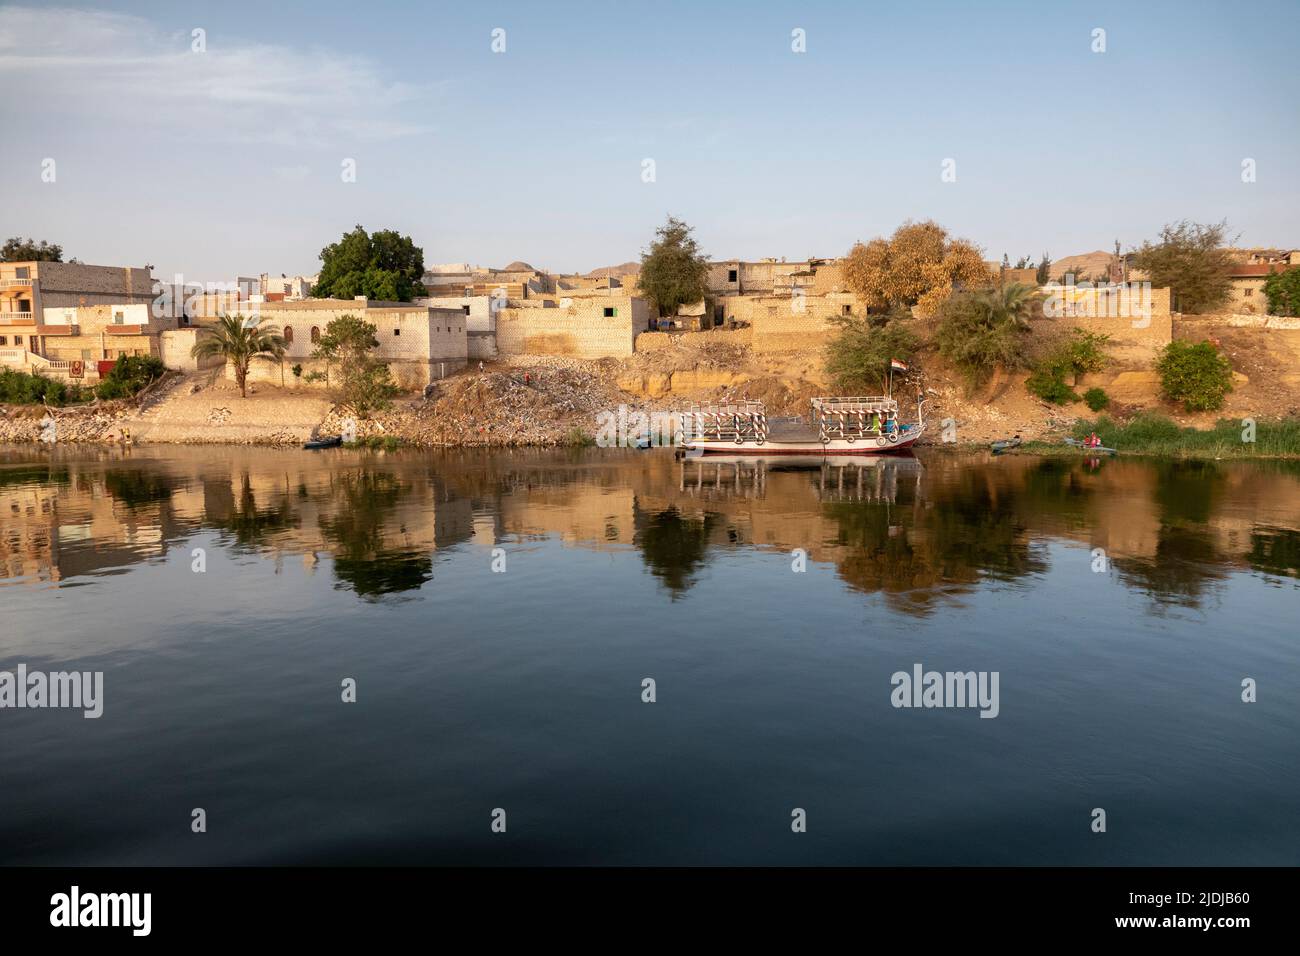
{"x": 1119, "y": 688}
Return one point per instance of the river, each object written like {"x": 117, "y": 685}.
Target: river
{"x": 621, "y": 658}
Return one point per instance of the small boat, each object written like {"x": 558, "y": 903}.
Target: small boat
{"x": 332, "y": 441}
{"x": 842, "y": 426}
{"x": 1084, "y": 446}
{"x": 1006, "y": 444}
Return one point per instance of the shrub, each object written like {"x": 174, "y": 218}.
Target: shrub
{"x": 1048, "y": 383}
{"x": 857, "y": 359}
{"x": 980, "y": 331}
{"x": 1084, "y": 352}
{"x": 129, "y": 375}
{"x": 22, "y": 388}
{"x": 1283, "y": 291}
{"x": 1196, "y": 375}
{"x": 1096, "y": 399}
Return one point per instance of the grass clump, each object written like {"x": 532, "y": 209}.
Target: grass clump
{"x": 1154, "y": 434}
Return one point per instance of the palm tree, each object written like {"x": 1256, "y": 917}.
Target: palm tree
{"x": 239, "y": 340}
{"x": 1012, "y": 303}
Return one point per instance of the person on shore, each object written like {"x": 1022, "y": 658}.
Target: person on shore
{"x": 480, "y": 367}
{"x": 1093, "y": 441}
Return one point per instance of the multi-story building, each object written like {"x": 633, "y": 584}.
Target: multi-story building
{"x": 35, "y": 298}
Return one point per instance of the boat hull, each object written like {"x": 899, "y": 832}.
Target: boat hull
{"x": 811, "y": 449}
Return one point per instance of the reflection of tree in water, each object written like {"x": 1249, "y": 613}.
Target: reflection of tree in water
{"x": 1185, "y": 564}
{"x": 674, "y": 548}
{"x": 1186, "y": 560}
{"x": 878, "y": 561}
{"x": 976, "y": 529}
{"x": 1275, "y": 550}
{"x": 361, "y": 559}
{"x": 41, "y": 474}
{"x": 1187, "y": 491}
{"x": 136, "y": 487}
{"x": 246, "y": 522}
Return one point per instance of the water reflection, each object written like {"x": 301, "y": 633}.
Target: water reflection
{"x": 918, "y": 532}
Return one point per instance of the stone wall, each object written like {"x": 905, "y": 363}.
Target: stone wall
{"x": 585, "y": 328}
{"x": 659, "y": 341}
{"x": 1133, "y": 337}
{"x": 482, "y": 346}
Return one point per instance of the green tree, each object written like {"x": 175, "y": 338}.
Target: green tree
{"x": 857, "y": 358}
{"x": 1196, "y": 375}
{"x": 1044, "y": 274}
{"x": 980, "y": 331}
{"x": 238, "y": 341}
{"x": 1192, "y": 260}
{"x": 385, "y": 266}
{"x": 674, "y": 272}
{"x": 129, "y": 374}
{"x": 1283, "y": 291}
{"x": 365, "y": 383}
{"x": 19, "y": 249}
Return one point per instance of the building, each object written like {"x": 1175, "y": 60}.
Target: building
{"x": 42, "y": 305}
{"x": 419, "y": 343}
{"x": 593, "y": 326}
{"x": 285, "y": 288}
{"x": 1246, "y": 295}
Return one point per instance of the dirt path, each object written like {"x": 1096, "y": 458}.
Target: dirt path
{"x": 204, "y": 407}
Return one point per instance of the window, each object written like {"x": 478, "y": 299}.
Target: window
{"x": 23, "y": 272}
{"x": 465, "y": 309}
{"x": 397, "y": 331}
{"x": 315, "y": 334}
{"x": 846, "y": 310}
{"x": 732, "y": 275}
{"x": 1249, "y": 293}
{"x": 4, "y": 340}
{"x": 610, "y": 312}
{"x": 119, "y": 318}
{"x": 288, "y": 335}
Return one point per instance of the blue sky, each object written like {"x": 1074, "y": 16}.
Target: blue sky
{"x": 228, "y": 161}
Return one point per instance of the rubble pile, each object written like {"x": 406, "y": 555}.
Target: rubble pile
{"x": 97, "y": 422}
{"x": 549, "y": 403}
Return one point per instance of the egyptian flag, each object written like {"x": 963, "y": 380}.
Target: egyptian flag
{"x": 897, "y": 365}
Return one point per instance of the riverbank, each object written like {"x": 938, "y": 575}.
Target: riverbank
{"x": 551, "y": 401}
{"x": 1156, "y": 435}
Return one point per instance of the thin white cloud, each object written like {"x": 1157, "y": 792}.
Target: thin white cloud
{"x": 122, "y": 68}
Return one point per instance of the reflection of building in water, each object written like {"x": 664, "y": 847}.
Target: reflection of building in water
{"x": 887, "y": 525}
{"x": 83, "y": 513}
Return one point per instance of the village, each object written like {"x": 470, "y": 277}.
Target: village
{"x": 518, "y": 355}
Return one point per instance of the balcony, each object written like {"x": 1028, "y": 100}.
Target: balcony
{"x": 15, "y": 318}
{"x": 16, "y": 283}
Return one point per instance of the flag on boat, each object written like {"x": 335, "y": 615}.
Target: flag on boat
{"x": 895, "y": 363}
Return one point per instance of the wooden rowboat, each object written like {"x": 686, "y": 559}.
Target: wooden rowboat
{"x": 332, "y": 441}
{"x": 1084, "y": 446}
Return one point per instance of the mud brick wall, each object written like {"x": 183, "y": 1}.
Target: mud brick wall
{"x": 581, "y": 329}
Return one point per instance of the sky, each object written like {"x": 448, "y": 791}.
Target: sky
{"x": 132, "y": 140}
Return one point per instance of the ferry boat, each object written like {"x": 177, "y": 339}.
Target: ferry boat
{"x": 846, "y": 425}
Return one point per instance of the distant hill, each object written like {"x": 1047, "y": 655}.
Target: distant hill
{"x": 618, "y": 271}
{"x": 1094, "y": 265}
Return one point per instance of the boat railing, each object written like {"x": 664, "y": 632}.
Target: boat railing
{"x": 726, "y": 421}
{"x": 854, "y": 416}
